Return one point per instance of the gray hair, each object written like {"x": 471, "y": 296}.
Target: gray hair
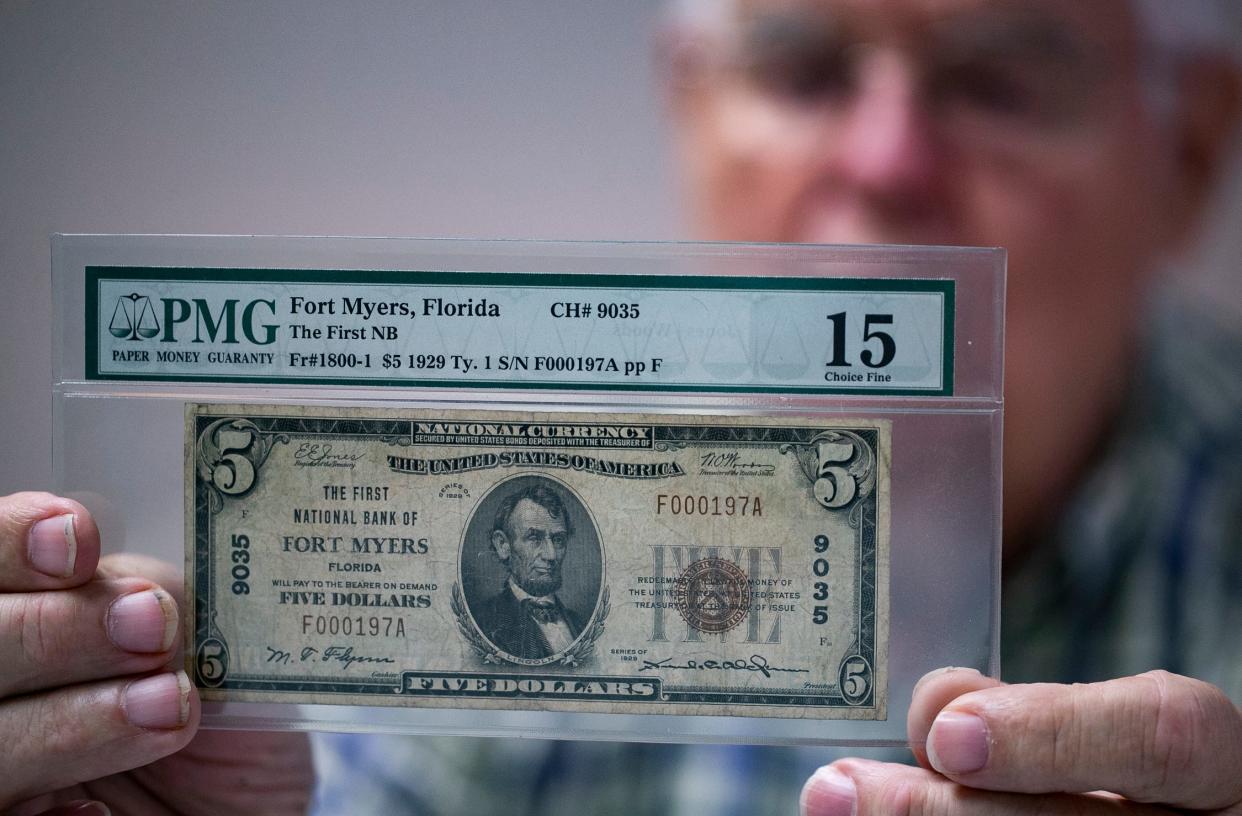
{"x": 1170, "y": 31}
{"x": 1173, "y": 27}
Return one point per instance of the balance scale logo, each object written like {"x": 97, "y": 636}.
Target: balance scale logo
{"x": 133, "y": 318}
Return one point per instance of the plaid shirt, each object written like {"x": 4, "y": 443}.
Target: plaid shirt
{"x": 1143, "y": 571}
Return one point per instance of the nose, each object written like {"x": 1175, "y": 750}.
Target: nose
{"x": 546, "y": 551}
{"x": 887, "y": 148}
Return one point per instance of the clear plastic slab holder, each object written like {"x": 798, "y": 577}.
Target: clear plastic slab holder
{"x": 119, "y": 438}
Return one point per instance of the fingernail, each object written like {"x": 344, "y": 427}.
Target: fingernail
{"x": 828, "y": 793}
{"x": 53, "y": 546}
{"x": 958, "y": 743}
{"x": 158, "y": 702}
{"x": 143, "y": 621}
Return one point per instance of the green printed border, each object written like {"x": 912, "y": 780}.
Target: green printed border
{"x": 95, "y": 275}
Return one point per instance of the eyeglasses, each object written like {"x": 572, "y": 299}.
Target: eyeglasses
{"x": 994, "y": 76}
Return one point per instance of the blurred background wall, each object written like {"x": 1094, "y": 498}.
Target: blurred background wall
{"x": 450, "y": 119}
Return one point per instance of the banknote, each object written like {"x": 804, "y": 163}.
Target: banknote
{"x": 591, "y": 562}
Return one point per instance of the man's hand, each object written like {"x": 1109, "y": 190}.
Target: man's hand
{"x": 1150, "y": 744}
{"x": 90, "y": 692}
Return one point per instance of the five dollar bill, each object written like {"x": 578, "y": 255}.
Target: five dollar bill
{"x": 627, "y": 563}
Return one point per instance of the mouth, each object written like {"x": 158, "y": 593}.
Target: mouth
{"x": 541, "y": 580}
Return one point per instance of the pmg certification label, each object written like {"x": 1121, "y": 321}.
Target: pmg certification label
{"x": 519, "y": 330}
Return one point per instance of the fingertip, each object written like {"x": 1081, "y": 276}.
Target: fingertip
{"x": 944, "y": 685}
{"x": 933, "y": 676}
{"x": 52, "y": 540}
{"x": 828, "y": 792}
{"x": 161, "y": 702}
{"x": 65, "y": 546}
{"x": 143, "y": 622}
{"x": 165, "y": 710}
{"x": 958, "y": 743}
{"x": 52, "y": 546}
{"x": 933, "y": 692}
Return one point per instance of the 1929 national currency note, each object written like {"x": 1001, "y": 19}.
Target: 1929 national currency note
{"x": 626, "y": 563}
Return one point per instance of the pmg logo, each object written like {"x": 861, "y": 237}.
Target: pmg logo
{"x": 135, "y": 318}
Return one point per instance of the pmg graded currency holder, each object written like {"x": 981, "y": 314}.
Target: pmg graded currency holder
{"x": 678, "y": 492}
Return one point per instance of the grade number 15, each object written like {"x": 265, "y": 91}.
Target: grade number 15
{"x": 888, "y": 346}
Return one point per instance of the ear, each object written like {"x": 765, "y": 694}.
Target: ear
{"x": 500, "y": 543}
{"x": 1204, "y": 130}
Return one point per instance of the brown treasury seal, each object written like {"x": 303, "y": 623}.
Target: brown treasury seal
{"x": 712, "y": 594}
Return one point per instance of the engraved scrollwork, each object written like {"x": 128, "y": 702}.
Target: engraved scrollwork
{"x": 230, "y": 452}
{"x": 585, "y": 644}
{"x": 840, "y": 465}
{"x": 469, "y": 631}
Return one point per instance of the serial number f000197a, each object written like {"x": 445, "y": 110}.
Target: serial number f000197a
{"x": 361, "y": 625}
{"x": 689, "y": 504}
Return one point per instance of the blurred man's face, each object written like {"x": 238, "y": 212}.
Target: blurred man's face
{"x": 1023, "y": 125}
{"x": 938, "y": 121}
{"x": 535, "y": 548}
